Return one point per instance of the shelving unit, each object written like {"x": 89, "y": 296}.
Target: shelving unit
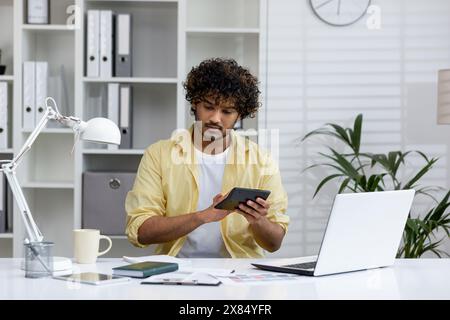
{"x": 47, "y": 185}
{"x": 233, "y": 31}
{"x": 133, "y": 80}
{"x": 7, "y": 235}
{"x": 51, "y": 130}
{"x": 55, "y": 27}
{"x": 117, "y": 152}
{"x": 7, "y": 78}
{"x": 7, "y": 46}
{"x": 169, "y": 38}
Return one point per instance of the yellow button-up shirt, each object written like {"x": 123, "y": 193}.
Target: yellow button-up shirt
{"x": 167, "y": 185}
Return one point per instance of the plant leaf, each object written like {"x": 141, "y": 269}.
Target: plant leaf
{"x": 420, "y": 174}
{"x": 344, "y": 184}
{"x": 324, "y": 181}
{"x": 356, "y": 134}
{"x": 341, "y": 134}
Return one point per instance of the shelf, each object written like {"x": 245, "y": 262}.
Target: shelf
{"x": 51, "y": 130}
{"x": 6, "y": 235}
{"x": 8, "y": 78}
{"x": 122, "y": 237}
{"x": 115, "y": 152}
{"x": 48, "y": 185}
{"x": 247, "y": 133}
{"x": 205, "y": 31}
{"x": 48, "y": 27}
{"x": 132, "y": 80}
{"x": 6, "y": 150}
{"x": 128, "y": 1}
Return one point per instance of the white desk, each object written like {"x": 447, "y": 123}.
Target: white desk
{"x": 407, "y": 279}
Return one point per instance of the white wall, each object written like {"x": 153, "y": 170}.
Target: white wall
{"x": 318, "y": 74}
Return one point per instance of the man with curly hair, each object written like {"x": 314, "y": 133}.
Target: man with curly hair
{"x": 180, "y": 180}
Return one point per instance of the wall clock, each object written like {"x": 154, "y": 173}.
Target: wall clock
{"x": 339, "y": 12}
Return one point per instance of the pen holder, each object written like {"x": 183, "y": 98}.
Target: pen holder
{"x": 38, "y": 259}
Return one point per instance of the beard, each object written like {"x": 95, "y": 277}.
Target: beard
{"x": 212, "y": 133}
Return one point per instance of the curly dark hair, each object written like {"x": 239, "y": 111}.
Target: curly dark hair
{"x": 223, "y": 79}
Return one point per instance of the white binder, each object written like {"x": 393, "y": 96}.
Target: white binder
{"x": 113, "y": 107}
{"x": 2, "y": 195}
{"x": 29, "y": 96}
{"x": 92, "y": 45}
{"x": 2, "y": 204}
{"x": 41, "y": 88}
{"x": 106, "y": 43}
{"x": 125, "y": 115}
{"x": 3, "y": 116}
{"x": 123, "y": 46}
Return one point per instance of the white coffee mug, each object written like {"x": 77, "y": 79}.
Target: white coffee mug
{"x": 86, "y": 243}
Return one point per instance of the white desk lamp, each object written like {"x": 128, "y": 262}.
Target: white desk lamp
{"x": 100, "y": 130}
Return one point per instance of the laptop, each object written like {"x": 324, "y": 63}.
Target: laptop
{"x": 364, "y": 231}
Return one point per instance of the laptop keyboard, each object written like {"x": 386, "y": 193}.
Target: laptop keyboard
{"x": 306, "y": 265}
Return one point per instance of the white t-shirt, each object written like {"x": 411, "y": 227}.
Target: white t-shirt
{"x": 206, "y": 241}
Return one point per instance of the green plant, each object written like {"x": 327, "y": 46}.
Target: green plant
{"x": 368, "y": 172}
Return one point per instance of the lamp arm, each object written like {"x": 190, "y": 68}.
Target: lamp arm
{"x": 9, "y": 169}
{"x": 48, "y": 115}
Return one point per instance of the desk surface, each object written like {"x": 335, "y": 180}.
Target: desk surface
{"x": 407, "y": 279}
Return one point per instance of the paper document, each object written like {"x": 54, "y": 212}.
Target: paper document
{"x": 242, "y": 278}
{"x": 211, "y": 271}
{"x": 182, "y": 277}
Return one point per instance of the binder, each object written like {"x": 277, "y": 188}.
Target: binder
{"x": 9, "y": 203}
{"x": 106, "y": 43}
{"x": 2, "y": 192}
{"x": 3, "y": 115}
{"x": 125, "y": 117}
{"x": 29, "y": 96}
{"x": 92, "y": 45}
{"x": 113, "y": 107}
{"x": 123, "y": 45}
{"x": 41, "y": 89}
{"x": 2, "y": 204}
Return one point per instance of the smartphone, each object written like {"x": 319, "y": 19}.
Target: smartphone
{"x": 241, "y": 195}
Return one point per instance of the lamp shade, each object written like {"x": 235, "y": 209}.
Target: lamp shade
{"x": 100, "y": 130}
{"x": 443, "y": 112}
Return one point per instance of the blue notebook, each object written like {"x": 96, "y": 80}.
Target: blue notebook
{"x": 145, "y": 269}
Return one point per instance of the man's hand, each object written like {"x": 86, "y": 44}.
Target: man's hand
{"x": 254, "y": 211}
{"x": 211, "y": 214}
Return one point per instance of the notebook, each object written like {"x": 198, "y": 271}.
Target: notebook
{"x": 144, "y": 269}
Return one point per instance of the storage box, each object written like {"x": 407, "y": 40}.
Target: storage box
{"x": 104, "y": 196}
